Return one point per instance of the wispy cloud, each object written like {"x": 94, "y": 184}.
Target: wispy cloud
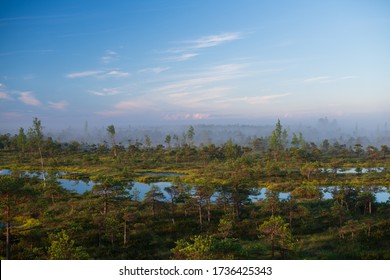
{"x": 202, "y": 79}
{"x": 61, "y": 105}
{"x": 214, "y": 40}
{"x": 200, "y": 90}
{"x": 99, "y": 74}
{"x": 84, "y": 74}
{"x": 181, "y": 57}
{"x": 189, "y": 49}
{"x": 109, "y": 57}
{"x": 154, "y": 70}
{"x": 116, "y": 74}
{"x": 199, "y": 99}
{"x": 105, "y": 92}
{"x": 29, "y": 99}
{"x": 327, "y": 79}
{"x": 256, "y": 99}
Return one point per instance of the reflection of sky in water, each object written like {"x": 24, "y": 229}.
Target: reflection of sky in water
{"x": 261, "y": 195}
{"x": 76, "y": 185}
{"x": 382, "y": 196}
{"x": 5, "y": 172}
{"x": 79, "y": 186}
{"x": 144, "y": 188}
{"x": 353, "y": 170}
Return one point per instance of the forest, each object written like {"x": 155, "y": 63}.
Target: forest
{"x": 279, "y": 197}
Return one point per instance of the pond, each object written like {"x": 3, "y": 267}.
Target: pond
{"x": 353, "y": 170}
{"x": 381, "y": 194}
{"x": 79, "y": 186}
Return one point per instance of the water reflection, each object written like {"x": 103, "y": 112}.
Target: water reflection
{"x": 78, "y": 186}
{"x": 382, "y": 194}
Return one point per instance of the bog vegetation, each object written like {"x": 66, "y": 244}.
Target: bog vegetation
{"x": 207, "y": 212}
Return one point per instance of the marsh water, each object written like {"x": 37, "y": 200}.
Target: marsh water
{"x": 382, "y": 193}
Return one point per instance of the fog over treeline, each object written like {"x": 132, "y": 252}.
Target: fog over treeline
{"x": 318, "y": 130}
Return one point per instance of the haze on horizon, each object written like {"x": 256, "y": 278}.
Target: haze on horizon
{"x": 193, "y": 62}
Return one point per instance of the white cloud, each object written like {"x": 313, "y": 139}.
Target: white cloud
{"x": 105, "y": 92}
{"x": 201, "y": 99}
{"x": 326, "y": 79}
{"x": 182, "y": 57}
{"x": 99, "y": 74}
{"x": 109, "y": 56}
{"x": 255, "y": 99}
{"x": 29, "y": 99}
{"x": 154, "y": 70}
{"x": 214, "y": 40}
{"x": 202, "y": 79}
{"x": 202, "y": 90}
{"x": 116, "y": 74}
{"x": 61, "y": 105}
{"x": 84, "y": 74}
{"x": 189, "y": 49}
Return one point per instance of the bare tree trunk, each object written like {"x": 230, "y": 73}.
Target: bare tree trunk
{"x": 208, "y": 210}
{"x": 173, "y": 212}
{"x": 200, "y": 213}
{"x": 125, "y": 230}
{"x": 115, "y": 152}
{"x": 43, "y": 170}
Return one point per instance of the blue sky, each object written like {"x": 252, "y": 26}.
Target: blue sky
{"x": 167, "y": 62}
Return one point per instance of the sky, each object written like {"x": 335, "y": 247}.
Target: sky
{"x": 167, "y": 62}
